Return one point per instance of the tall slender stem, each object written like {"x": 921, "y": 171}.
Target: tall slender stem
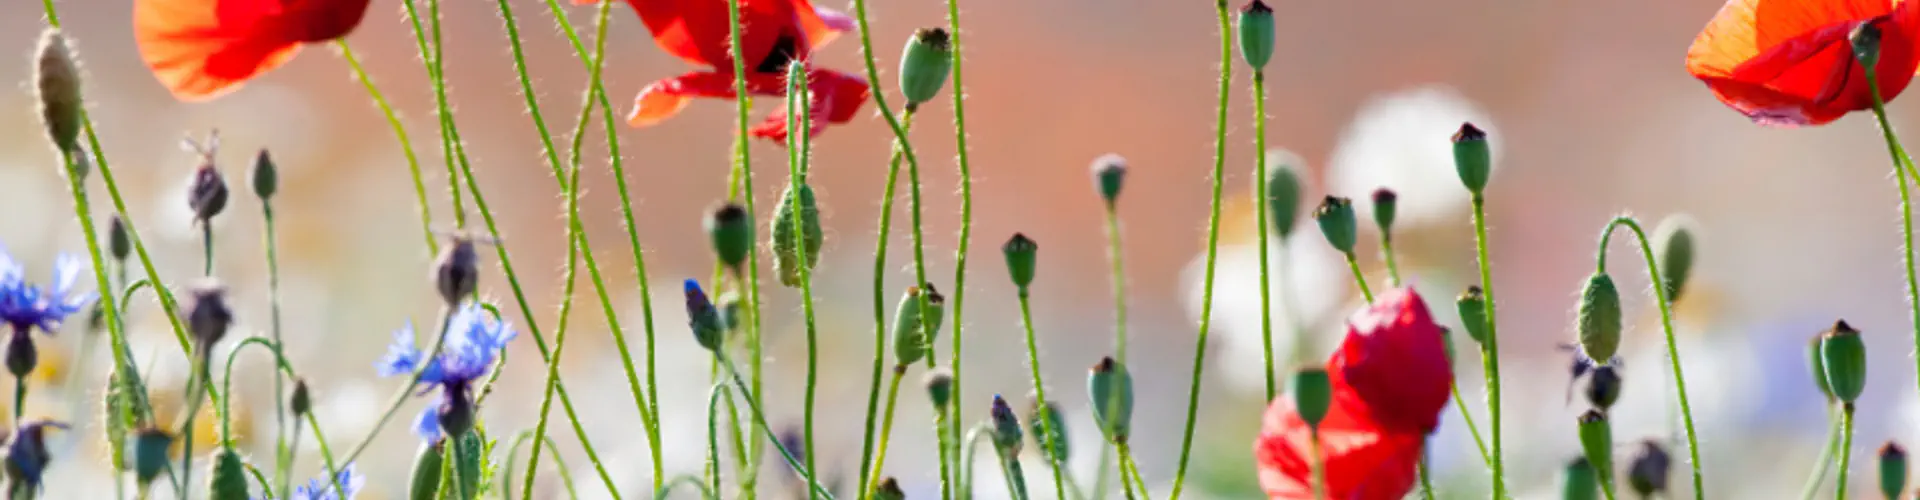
{"x": 1317, "y": 467}
{"x": 206, "y": 244}
{"x": 799, "y": 135}
{"x": 743, "y": 168}
{"x": 1359, "y": 278}
{"x": 1666, "y": 324}
{"x": 958, "y": 99}
{"x": 886, "y": 431}
{"x": 451, "y": 149}
{"x": 568, "y": 279}
{"x": 1213, "y": 246}
{"x": 760, "y": 420}
{"x": 880, "y": 309}
{"x": 1119, "y": 277}
{"x": 1846, "y": 449}
{"x": 1261, "y": 207}
{"x": 1490, "y": 350}
{"x": 946, "y": 451}
{"x": 1045, "y": 425}
{"x": 1812, "y": 487}
{"x": 1900, "y": 159}
{"x": 400, "y": 134}
{"x": 282, "y": 453}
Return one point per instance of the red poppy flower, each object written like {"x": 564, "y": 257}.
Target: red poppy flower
{"x": 1390, "y": 380}
{"x": 202, "y": 49}
{"x": 773, "y": 34}
{"x": 1789, "y": 63}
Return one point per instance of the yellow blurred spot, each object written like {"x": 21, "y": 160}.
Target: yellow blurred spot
{"x": 206, "y": 423}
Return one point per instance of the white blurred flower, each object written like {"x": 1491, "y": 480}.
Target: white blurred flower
{"x": 1308, "y": 282}
{"x": 1403, "y": 141}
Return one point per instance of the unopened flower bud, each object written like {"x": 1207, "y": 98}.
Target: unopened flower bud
{"x": 1603, "y": 386}
{"x": 1648, "y": 473}
{"x": 1596, "y": 441}
{"x": 1006, "y": 428}
{"x": 265, "y": 177}
{"x": 150, "y": 447}
{"x": 1049, "y": 429}
{"x": 913, "y": 330}
{"x": 1335, "y": 216}
{"x": 1109, "y": 174}
{"x": 456, "y": 412}
{"x": 1578, "y": 481}
{"x": 1283, "y": 194}
{"x": 1256, "y": 34}
{"x": 1385, "y": 204}
{"x": 1110, "y": 388}
{"x": 208, "y": 317}
{"x": 118, "y": 243}
{"x": 794, "y": 253}
{"x": 1865, "y": 40}
{"x": 1472, "y": 305}
{"x": 1021, "y": 256}
{"x": 889, "y": 489}
{"x": 1312, "y": 394}
{"x": 1673, "y": 244}
{"x": 1472, "y": 158}
{"x": 924, "y": 65}
{"x": 456, "y": 272}
{"x": 939, "y": 384}
{"x": 27, "y": 457}
{"x": 703, "y": 318}
{"x": 302, "y": 401}
{"x": 228, "y": 479}
{"x": 1843, "y": 355}
{"x": 1599, "y": 318}
{"x": 96, "y": 318}
{"x": 207, "y": 194}
{"x": 425, "y": 483}
{"x": 22, "y": 356}
{"x": 57, "y": 84}
{"x": 730, "y": 228}
{"x": 1893, "y": 470}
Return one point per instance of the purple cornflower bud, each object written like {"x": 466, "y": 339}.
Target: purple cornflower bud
{"x": 207, "y": 194}
{"x": 27, "y": 457}
{"x": 473, "y": 341}
{"x": 22, "y": 356}
{"x": 1006, "y": 428}
{"x": 703, "y": 317}
{"x": 456, "y": 272}
{"x": 118, "y": 242}
{"x": 208, "y": 318}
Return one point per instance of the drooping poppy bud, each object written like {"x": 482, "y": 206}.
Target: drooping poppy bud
{"x": 265, "y": 176}
{"x": 1110, "y": 388}
{"x": 1599, "y": 318}
{"x": 1109, "y": 174}
{"x": 1596, "y": 441}
{"x": 1578, "y": 481}
{"x": 208, "y": 317}
{"x": 228, "y": 479}
{"x": 1648, "y": 473}
{"x": 1818, "y": 366}
{"x": 302, "y": 401}
{"x": 1603, "y": 386}
{"x": 56, "y": 80}
{"x": 1021, "y": 254}
{"x": 150, "y": 447}
{"x": 1283, "y": 195}
{"x": 913, "y": 331}
{"x": 425, "y": 483}
{"x": 702, "y": 317}
{"x": 730, "y": 228}
{"x": 790, "y": 256}
{"x": 1844, "y": 357}
{"x": 1256, "y": 34}
{"x": 1472, "y": 305}
{"x": 1385, "y": 204}
{"x": 1049, "y": 429}
{"x": 1006, "y": 428}
{"x": 456, "y": 272}
{"x": 1472, "y": 158}
{"x": 939, "y": 383}
{"x": 1865, "y": 40}
{"x": 1335, "y": 216}
{"x": 1893, "y": 470}
{"x": 118, "y": 243}
{"x": 1673, "y": 244}
{"x": 1312, "y": 394}
{"x": 924, "y": 65}
{"x": 889, "y": 489}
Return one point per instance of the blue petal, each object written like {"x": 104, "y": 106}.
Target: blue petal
{"x": 427, "y": 425}
{"x": 402, "y": 357}
{"x": 66, "y": 272}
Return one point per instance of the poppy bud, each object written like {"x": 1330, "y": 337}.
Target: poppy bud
{"x": 1844, "y": 357}
{"x": 1603, "y": 386}
{"x": 703, "y": 318}
{"x": 1256, "y": 34}
{"x": 468, "y": 453}
{"x": 56, "y": 80}
{"x": 1111, "y": 390}
{"x": 1283, "y": 195}
{"x": 788, "y": 255}
{"x": 1893, "y": 470}
{"x": 1578, "y": 481}
{"x": 889, "y": 489}
{"x": 1473, "y": 313}
{"x": 22, "y": 356}
{"x": 913, "y": 333}
{"x": 1049, "y": 429}
{"x": 1021, "y": 255}
{"x": 731, "y": 230}
{"x": 939, "y": 384}
{"x": 208, "y": 318}
{"x": 1335, "y": 216}
{"x": 456, "y": 273}
{"x": 1599, "y": 318}
{"x": 265, "y": 177}
{"x": 1472, "y": 159}
{"x": 425, "y": 484}
{"x": 1648, "y": 474}
{"x": 150, "y": 447}
{"x": 1818, "y": 367}
{"x": 1006, "y": 428}
{"x": 1312, "y": 395}
{"x": 118, "y": 243}
{"x": 1865, "y": 40}
{"x": 1673, "y": 240}
{"x": 301, "y": 402}
{"x": 924, "y": 65}
{"x": 1596, "y": 440}
{"x": 1109, "y": 173}
{"x": 1385, "y": 203}
{"x": 228, "y": 480}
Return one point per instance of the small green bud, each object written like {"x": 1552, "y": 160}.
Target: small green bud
{"x": 1385, "y": 204}
{"x": 1473, "y": 313}
{"x": 1049, "y": 429}
{"x": 1335, "y": 216}
{"x": 1648, "y": 473}
{"x": 914, "y": 333}
{"x": 1110, "y": 388}
{"x": 228, "y": 480}
{"x": 1596, "y": 440}
{"x": 302, "y": 401}
{"x": 1818, "y": 366}
{"x": 1472, "y": 158}
{"x": 1283, "y": 194}
{"x": 1578, "y": 481}
{"x": 469, "y": 457}
{"x": 1021, "y": 256}
{"x": 56, "y": 79}
{"x": 1006, "y": 428}
{"x": 924, "y": 65}
{"x": 1673, "y": 240}
{"x": 1109, "y": 174}
{"x": 150, "y": 449}
{"x": 1603, "y": 386}
{"x": 1599, "y": 318}
{"x": 425, "y": 484}
{"x": 1312, "y": 395}
{"x": 730, "y": 228}
{"x": 789, "y": 255}
{"x": 939, "y": 384}
{"x": 889, "y": 489}
{"x": 1844, "y": 357}
{"x": 702, "y": 317}
{"x": 265, "y": 177}
{"x": 118, "y": 243}
{"x": 1865, "y": 40}
{"x": 1893, "y": 470}
{"x": 1256, "y": 34}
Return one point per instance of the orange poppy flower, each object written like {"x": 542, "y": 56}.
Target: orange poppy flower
{"x": 202, "y": 49}
{"x": 1789, "y": 62}
{"x": 773, "y": 34}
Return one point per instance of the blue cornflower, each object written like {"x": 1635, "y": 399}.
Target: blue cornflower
{"x": 474, "y": 339}
{"x": 25, "y": 306}
{"x": 27, "y": 456}
{"x": 349, "y": 482}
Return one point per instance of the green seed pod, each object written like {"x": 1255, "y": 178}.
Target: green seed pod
{"x": 1603, "y": 386}
{"x": 425, "y": 484}
{"x": 56, "y": 78}
{"x": 789, "y": 256}
{"x": 730, "y": 228}
{"x": 1596, "y": 440}
{"x": 924, "y": 65}
{"x": 1335, "y": 216}
{"x": 1578, "y": 481}
{"x": 1312, "y": 394}
{"x": 1021, "y": 256}
{"x": 1385, "y": 204}
{"x": 910, "y": 338}
{"x": 1110, "y": 388}
{"x": 116, "y": 417}
{"x": 1673, "y": 242}
{"x": 1049, "y": 429}
{"x": 1844, "y": 356}
{"x": 150, "y": 449}
{"x": 1599, "y": 320}
{"x": 1256, "y": 34}
{"x": 265, "y": 177}
{"x": 469, "y": 458}
{"x": 1893, "y": 470}
{"x": 118, "y": 243}
{"x": 1865, "y": 40}
{"x": 302, "y": 401}
{"x": 1472, "y": 158}
{"x": 1648, "y": 474}
{"x": 1109, "y": 174}
{"x": 1006, "y": 428}
{"x": 1283, "y": 193}
{"x": 889, "y": 489}
{"x": 1818, "y": 366}
{"x": 939, "y": 384}
{"x": 228, "y": 480}
{"x": 1472, "y": 305}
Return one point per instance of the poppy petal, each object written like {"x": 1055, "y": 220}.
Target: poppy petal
{"x": 1394, "y": 359}
{"x": 821, "y": 24}
{"x": 201, "y": 49}
{"x": 1789, "y": 63}
{"x": 1361, "y": 461}
{"x": 662, "y": 99}
{"x": 837, "y": 97}
{"x": 1743, "y": 29}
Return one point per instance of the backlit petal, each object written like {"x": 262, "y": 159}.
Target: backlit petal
{"x": 1361, "y": 461}
{"x": 201, "y": 49}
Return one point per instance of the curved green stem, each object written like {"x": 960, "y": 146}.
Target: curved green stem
{"x": 451, "y": 149}
{"x": 1359, "y": 278}
{"x": 1133, "y": 469}
{"x": 406, "y": 390}
{"x": 520, "y": 438}
{"x": 1213, "y": 247}
{"x": 399, "y": 134}
{"x": 1466, "y": 417}
{"x": 1490, "y": 350}
{"x": 568, "y": 281}
{"x": 886, "y": 431}
{"x": 667, "y": 487}
{"x": 1900, "y": 159}
{"x": 799, "y": 138}
{"x": 880, "y": 308}
{"x": 1812, "y": 487}
{"x": 1666, "y": 324}
{"x": 1127, "y": 483}
{"x": 1846, "y": 448}
{"x": 1040, "y": 396}
{"x": 760, "y": 420}
{"x": 970, "y": 447}
{"x": 945, "y": 450}
{"x": 743, "y": 168}
{"x": 714, "y": 396}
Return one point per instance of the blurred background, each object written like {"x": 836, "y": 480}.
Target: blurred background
{"x": 1590, "y": 111}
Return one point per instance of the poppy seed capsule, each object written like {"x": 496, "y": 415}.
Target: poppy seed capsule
{"x": 1648, "y": 473}
{"x": 1673, "y": 240}
{"x": 1578, "y": 481}
{"x": 924, "y": 65}
{"x": 1312, "y": 395}
{"x": 1109, "y": 174}
{"x": 425, "y": 483}
{"x": 150, "y": 447}
{"x": 1256, "y": 34}
{"x": 703, "y": 318}
{"x": 794, "y": 253}
{"x": 302, "y": 401}
{"x": 56, "y": 78}
{"x": 208, "y": 318}
{"x": 731, "y": 230}
{"x": 1385, "y": 203}
{"x": 1598, "y": 323}
{"x": 1335, "y": 216}
{"x": 889, "y": 489}
{"x": 1006, "y": 428}
{"x": 1596, "y": 441}
{"x": 456, "y": 273}
{"x": 1865, "y": 40}
{"x": 1603, "y": 387}
{"x": 1110, "y": 388}
{"x": 939, "y": 384}
{"x": 1893, "y": 470}
{"x": 22, "y": 356}
{"x": 1021, "y": 256}
{"x": 1049, "y": 429}
{"x": 207, "y": 195}
{"x": 265, "y": 177}
{"x": 1283, "y": 197}
{"x": 1472, "y": 158}
{"x": 1844, "y": 357}
{"x": 118, "y": 243}
{"x": 228, "y": 479}
{"x": 1472, "y": 305}
{"x": 913, "y": 330}
{"x": 1818, "y": 367}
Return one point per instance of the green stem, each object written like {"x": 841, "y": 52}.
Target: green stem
{"x": 713, "y": 433}
{"x": 667, "y": 487}
{"x": 281, "y": 450}
{"x": 520, "y": 438}
{"x": 880, "y": 309}
{"x": 1426, "y": 480}
{"x": 1213, "y": 246}
{"x": 970, "y": 447}
{"x": 1133, "y": 469}
{"x": 566, "y": 313}
{"x": 945, "y": 450}
{"x": 1490, "y": 350}
{"x": 1666, "y": 324}
{"x": 1393, "y": 264}
{"x": 1812, "y": 487}
{"x": 400, "y": 134}
{"x": 1260, "y": 202}
{"x": 743, "y": 168}
{"x": 1359, "y": 278}
{"x": 1045, "y": 425}
{"x": 886, "y": 431}
{"x": 451, "y": 148}
{"x": 957, "y": 99}
{"x": 1117, "y": 270}
{"x": 760, "y": 420}
{"x": 1900, "y": 159}
{"x": 1128, "y": 472}
{"x": 406, "y": 390}
{"x": 1846, "y": 448}
{"x": 194, "y": 391}
{"x": 1016, "y": 479}
{"x": 206, "y": 242}
{"x": 1126, "y": 482}
{"x": 19, "y": 397}
{"x": 799, "y": 136}
{"x": 1466, "y": 417}
{"x": 1316, "y": 466}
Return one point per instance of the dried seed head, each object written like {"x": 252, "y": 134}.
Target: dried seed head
{"x": 1648, "y": 473}
{"x": 57, "y": 83}
{"x": 208, "y": 316}
{"x": 118, "y": 242}
{"x": 456, "y": 273}
{"x": 207, "y": 194}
